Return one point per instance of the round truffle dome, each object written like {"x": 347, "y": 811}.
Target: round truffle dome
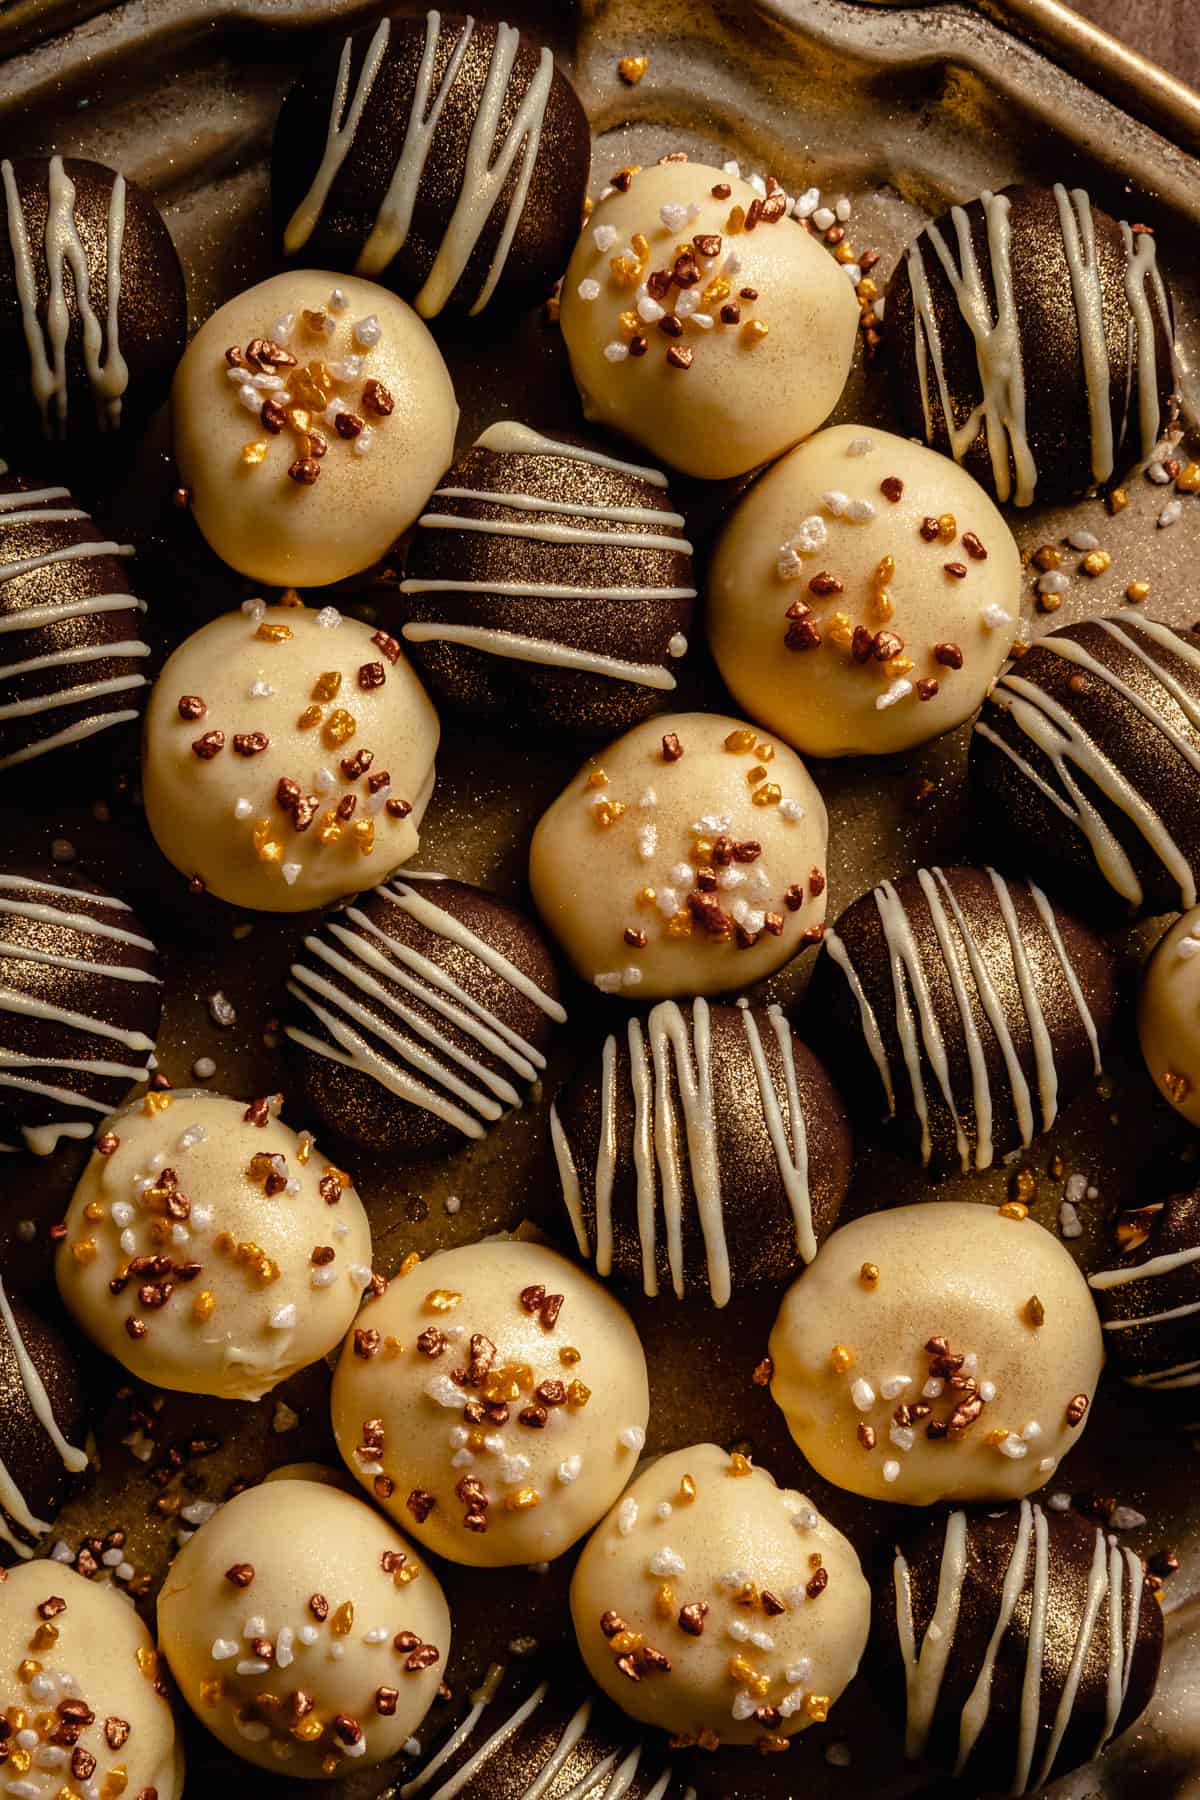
{"x": 263, "y": 1266}
{"x": 72, "y": 658}
{"x": 548, "y": 584}
{"x": 420, "y": 1014}
{"x": 304, "y": 1632}
{"x": 863, "y": 596}
{"x": 313, "y": 415}
{"x": 93, "y": 1687}
{"x": 1014, "y": 1645}
{"x": 1031, "y": 337}
{"x": 1149, "y": 1298}
{"x": 101, "y": 360}
{"x": 944, "y": 1351}
{"x": 693, "y": 1603}
{"x": 445, "y": 156}
{"x": 80, "y": 1005}
{"x": 964, "y": 1009}
{"x": 43, "y": 1421}
{"x": 288, "y": 757}
{"x": 1085, "y": 756}
{"x": 714, "y": 342}
{"x": 1168, "y": 1020}
{"x": 687, "y": 858}
{"x": 751, "y": 1152}
{"x": 494, "y": 1400}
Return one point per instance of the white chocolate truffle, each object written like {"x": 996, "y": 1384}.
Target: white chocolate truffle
{"x": 86, "y": 1647}
{"x": 767, "y": 320}
{"x": 864, "y": 595}
{"x": 210, "y": 1249}
{"x": 494, "y": 1400}
{"x": 712, "y": 1601}
{"x": 944, "y": 1351}
{"x": 687, "y": 858}
{"x": 304, "y": 1632}
{"x": 313, "y": 415}
{"x": 288, "y": 757}
{"x": 1169, "y": 1016}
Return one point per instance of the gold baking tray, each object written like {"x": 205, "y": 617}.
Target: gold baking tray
{"x": 904, "y": 108}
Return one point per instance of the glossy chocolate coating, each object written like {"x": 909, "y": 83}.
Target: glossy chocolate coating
{"x": 420, "y": 1013}
{"x": 1155, "y": 1273}
{"x": 1035, "y": 992}
{"x": 27, "y": 1452}
{"x": 1049, "y": 342}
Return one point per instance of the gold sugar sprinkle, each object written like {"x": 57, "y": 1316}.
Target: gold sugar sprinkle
{"x": 271, "y": 633}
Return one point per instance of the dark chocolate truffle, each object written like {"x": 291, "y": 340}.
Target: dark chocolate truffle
{"x": 719, "y": 1115}
{"x": 71, "y": 652}
{"x": 420, "y": 1014}
{"x": 1015, "y": 1644}
{"x": 42, "y": 1426}
{"x": 1031, "y": 338}
{"x": 531, "y": 1729}
{"x": 1149, "y": 1300}
{"x": 80, "y": 1003}
{"x": 550, "y": 584}
{"x": 964, "y": 1005}
{"x": 1087, "y": 754}
{"x": 93, "y": 309}
{"x": 442, "y": 156}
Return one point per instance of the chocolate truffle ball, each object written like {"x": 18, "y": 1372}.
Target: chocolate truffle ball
{"x": 548, "y": 584}
{"x": 71, "y": 651}
{"x": 963, "y": 1006}
{"x": 42, "y": 1426}
{"x": 238, "y": 1260}
{"x": 288, "y": 757}
{"x": 720, "y": 1117}
{"x": 943, "y": 1351}
{"x": 443, "y": 156}
{"x": 526, "y": 1723}
{"x": 1149, "y": 1299}
{"x": 714, "y": 1604}
{"x": 1031, "y": 338}
{"x": 93, "y": 312}
{"x": 494, "y": 1400}
{"x": 421, "y": 1014}
{"x": 704, "y": 322}
{"x": 863, "y": 596}
{"x": 80, "y": 1004}
{"x": 1086, "y": 755}
{"x": 90, "y": 1696}
{"x": 1014, "y": 1645}
{"x": 304, "y": 1632}
{"x": 687, "y": 858}
{"x": 1169, "y": 1016}
{"x": 312, "y": 418}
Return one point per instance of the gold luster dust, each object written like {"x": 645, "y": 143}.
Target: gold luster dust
{"x": 1176, "y": 1085}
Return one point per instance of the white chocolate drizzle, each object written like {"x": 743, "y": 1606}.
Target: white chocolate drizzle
{"x": 920, "y": 1030}
{"x": 519, "y": 648}
{"x": 1104, "y": 1599}
{"x": 660, "y": 1160}
{"x": 63, "y": 249}
{"x": 12, "y": 1501}
{"x": 1056, "y": 731}
{"x": 486, "y": 173}
{"x": 426, "y": 1065}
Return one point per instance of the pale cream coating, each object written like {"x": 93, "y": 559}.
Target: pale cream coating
{"x": 787, "y": 650}
{"x": 854, "y": 1342}
{"x": 538, "y": 1440}
{"x": 93, "y": 1649}
{"x": 294, "y": 676}
{"x": 701, "y": 1529}
{"x": 294, "y": 1588}
{"x": 256, "y": 1248}
{"x": 1169, "y": 1016}
{"x": 370, "y": 487}
{"x": 717, "y": 856}
{"x": 748, "y": 394}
